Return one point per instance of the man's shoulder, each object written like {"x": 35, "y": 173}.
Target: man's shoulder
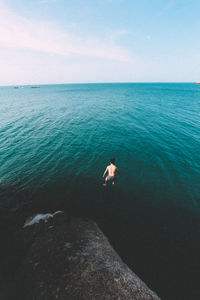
{"x": 114, "y": 167}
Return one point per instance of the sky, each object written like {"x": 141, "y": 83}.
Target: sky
{"x": 79, "y": 41}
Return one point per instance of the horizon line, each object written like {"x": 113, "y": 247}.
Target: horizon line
{"x": 110, "y": 82}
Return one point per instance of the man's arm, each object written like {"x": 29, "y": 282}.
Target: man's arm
{"x": 105, "y": 172}
{"x": 117, "y": 170}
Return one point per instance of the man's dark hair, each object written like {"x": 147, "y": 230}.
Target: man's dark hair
{"x": 112, "y": 160}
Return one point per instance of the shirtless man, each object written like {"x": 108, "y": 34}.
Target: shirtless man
{"x": 111, "y": 169}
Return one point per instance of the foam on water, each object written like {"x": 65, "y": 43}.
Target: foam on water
{"x": 40, "y": 217}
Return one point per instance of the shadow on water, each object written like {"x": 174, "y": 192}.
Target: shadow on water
{"x": 159, "y": 243}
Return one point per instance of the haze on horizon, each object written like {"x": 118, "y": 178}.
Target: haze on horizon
{"x": 58, "y": 41}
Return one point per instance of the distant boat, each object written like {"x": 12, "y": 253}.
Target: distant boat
{"x": 197, "y": 82}
{"x": 35, "y": 87}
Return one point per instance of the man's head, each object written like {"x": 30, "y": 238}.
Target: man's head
{"x": 112, "y": 161}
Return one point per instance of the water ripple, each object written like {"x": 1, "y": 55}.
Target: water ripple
{"x": 72, "y": 131}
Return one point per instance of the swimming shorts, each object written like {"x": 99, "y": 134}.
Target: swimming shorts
{"x": 112, "y": 178}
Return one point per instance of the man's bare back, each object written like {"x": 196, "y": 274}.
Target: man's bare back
{"x": 112, "y": 170}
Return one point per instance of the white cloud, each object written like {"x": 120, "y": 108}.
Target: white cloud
{"x": 118, "y": 33}
{"x": 170, "y": 5}
{"x": 167, "y": 7}
{"x": 47, "y": 1}
{"x": 20, "y": 33}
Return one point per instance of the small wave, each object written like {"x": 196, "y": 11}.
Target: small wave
{"x": 36, "y": 219}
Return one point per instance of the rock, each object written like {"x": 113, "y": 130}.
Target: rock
{"x": 70, "y": 258}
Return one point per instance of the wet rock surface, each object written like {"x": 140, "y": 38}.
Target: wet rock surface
{"x": 70, "y": 258}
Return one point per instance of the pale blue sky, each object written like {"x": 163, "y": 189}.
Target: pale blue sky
{"x": 61, "y": 41}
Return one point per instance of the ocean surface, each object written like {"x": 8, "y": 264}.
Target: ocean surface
{"x": 56, "y": 141}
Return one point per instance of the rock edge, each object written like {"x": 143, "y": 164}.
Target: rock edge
{"x": 70, "y": 258}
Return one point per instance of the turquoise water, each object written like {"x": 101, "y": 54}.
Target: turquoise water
{"x": 69, "y": 132}
{"x": 56, "y": 141}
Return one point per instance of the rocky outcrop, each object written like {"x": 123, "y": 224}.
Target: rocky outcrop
{"x": 70, "y": 258}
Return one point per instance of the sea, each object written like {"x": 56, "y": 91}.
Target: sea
{"x": 56, "y": 142}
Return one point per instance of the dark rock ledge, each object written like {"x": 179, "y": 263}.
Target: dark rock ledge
{"x": 70, "y": 258}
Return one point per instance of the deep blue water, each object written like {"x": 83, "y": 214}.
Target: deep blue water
{"x": 56, "y": 141}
